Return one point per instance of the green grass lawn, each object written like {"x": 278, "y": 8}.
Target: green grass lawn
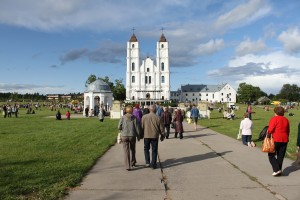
{"x": 41, "y": 157}
{"x": 260, "y": 119}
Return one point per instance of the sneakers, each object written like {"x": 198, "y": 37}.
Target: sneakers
{"x": 251, "y": 144}
{"x": 278, "y": 173}
{"x": 147, "y": 165}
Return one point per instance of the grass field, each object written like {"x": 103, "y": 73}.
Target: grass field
{"x": 260, "y": 119}
{"x": 40, "y": 157}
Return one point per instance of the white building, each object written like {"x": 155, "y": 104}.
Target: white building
{"x": 210, "y": 93}
{"x": 98, "y": 94}
{"x": 147, "y": 81}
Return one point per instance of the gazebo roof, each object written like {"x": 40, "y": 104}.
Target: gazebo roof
{"x": 98, "y": 86}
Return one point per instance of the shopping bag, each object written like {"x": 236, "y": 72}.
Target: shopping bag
{"x": 189, "y": 120}
{"x": 268, "y": 145}
{"x": 239, "y": 136}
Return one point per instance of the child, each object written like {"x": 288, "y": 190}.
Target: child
{"x": 246, "y": 129}
{"x": 68, "y": 115}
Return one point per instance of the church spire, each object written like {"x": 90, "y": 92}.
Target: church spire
{"x": 133, "y": 37}
{"x": 162, "y": 37}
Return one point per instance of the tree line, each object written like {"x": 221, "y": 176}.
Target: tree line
{"x": 245, "y": 93}
{"x": 14, "y": 96}
{"x": 250, "y": 93}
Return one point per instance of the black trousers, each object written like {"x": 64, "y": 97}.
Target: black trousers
{"x": 276, "y": 159}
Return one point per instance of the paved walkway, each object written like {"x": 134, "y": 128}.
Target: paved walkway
{"x": 203, "y": 165}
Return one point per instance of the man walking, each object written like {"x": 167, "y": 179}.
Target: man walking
{"x": 166, "y": 118}
{"x": 152, "y": 127}
{"x": 195, "y": 115}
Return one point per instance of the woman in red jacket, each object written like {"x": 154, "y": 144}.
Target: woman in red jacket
{"x": 279, "y": 127}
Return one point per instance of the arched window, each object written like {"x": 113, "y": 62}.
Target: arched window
{"x": 162, "y": 66}
{"x": 132, "y": 45}
{"x": 162, "y": 45}
{"x": 162, "y": 79}
{"x": 133, "y": 79}
{"x": 132, "y": 66}
{"x": 132, "y": 97}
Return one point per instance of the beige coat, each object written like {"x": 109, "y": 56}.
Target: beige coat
{"x": 152, "y": 126}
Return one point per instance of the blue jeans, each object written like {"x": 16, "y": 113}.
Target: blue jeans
{"x": 246, "y": 139}
{"x": 154, "y": 146}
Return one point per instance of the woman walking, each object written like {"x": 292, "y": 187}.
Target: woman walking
{"x": 178, "y": 118}
{"x": 130, "y": 130}
{"x": 279, "y": 128}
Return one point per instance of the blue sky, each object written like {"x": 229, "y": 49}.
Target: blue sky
{"x": 52, "y": 46}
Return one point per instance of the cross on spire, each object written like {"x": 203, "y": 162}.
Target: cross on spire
{"x": 133, "y": 29}
{"x": 162, "y": 30}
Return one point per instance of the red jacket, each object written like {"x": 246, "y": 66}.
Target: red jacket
{"x": 279, "y": 127}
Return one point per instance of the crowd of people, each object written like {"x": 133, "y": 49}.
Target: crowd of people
{"x": 9, "y": 110}
{"x": 152, "y": 123}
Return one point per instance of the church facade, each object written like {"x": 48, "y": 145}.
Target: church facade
{"x": 147, "y": 81}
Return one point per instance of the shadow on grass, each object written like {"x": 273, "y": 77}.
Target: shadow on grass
{"x": 20, "y": 163}
{"x": 208, "y": 127}
{"x": 189, "y": 159}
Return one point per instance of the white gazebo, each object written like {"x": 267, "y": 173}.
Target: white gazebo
{"x": 98, "y": 94}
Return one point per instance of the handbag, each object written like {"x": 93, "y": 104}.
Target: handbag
{"x": 172, "y": 124}
{"x": 119, "y": 138}
{"x": 268, "y": 145}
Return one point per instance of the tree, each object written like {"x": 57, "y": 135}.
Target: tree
{"x": 249, "y": 93}
{"x": 289, "y": 92}
{"x": 90, "y": 79}
{"x": 119, "y": 90}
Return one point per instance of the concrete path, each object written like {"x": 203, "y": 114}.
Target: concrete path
{"x": 203, "y": 165}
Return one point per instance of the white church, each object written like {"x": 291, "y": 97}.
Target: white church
{"x": 147, "y": 81}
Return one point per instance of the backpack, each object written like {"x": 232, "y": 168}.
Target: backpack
{"x": 263, "y": 133}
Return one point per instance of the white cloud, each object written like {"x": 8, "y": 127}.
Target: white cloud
{"x": 209, "y": 48}
{"x": 56, "y": 15}
{"x": 249, "y": 47}
{"x": 243, "y": 14}
{"x": 269, "y": 71}
{"x": 33, "y": 88}
{"x": 291, "y": 40}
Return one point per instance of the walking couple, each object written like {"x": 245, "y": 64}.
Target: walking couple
{"x": 149, "y": 128}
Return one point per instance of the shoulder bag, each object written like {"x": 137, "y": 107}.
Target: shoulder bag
{"x": 268, "y": 145}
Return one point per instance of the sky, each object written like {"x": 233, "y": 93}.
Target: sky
{"x": 53, "y": 46}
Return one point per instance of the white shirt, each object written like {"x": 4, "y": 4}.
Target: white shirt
{"x": 246, "y": 126}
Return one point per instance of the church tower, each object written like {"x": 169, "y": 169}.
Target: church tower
{"x": 133, "y": 67}
{"x": 162, "y": 62}
{"x": 148, "y": 82}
